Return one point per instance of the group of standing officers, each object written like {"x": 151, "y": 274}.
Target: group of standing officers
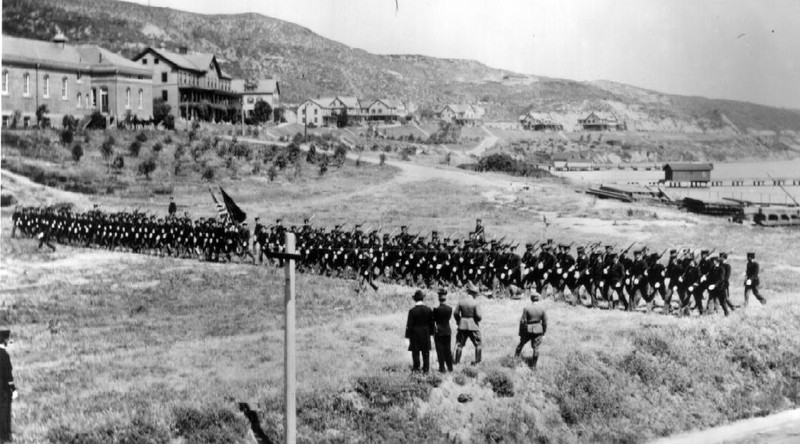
{"x": 596, "y": 276}
{"x": 424, "y": 323}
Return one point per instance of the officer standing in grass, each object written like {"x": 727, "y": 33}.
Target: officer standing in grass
{"x": 468, "y": 318}
{"x": 442, "y": 334}
{"x": 419, "y": 329}
{"x": 751, "y": 281}
{"x": 532, "y": 327}
{"x": 8, "y": 392}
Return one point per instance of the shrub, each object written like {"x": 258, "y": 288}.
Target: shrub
{"x": 470, "y": 372}
{"x": 281, "y": 162}
{"x": 77, "y": 152}
{"x": 134, "y": 148}
{"x": 118, "y": 163}
{"x": 97, "y": 121}
{"x": 67, "y": 136}
{"x": 146, "y": 168}
{"x": 208, "y": 174}
{"x": 141, "y": 137}
{"x": 169, "y": 122}
{"x": 69, "y": 122}
{"x": 587, "y": 388}
{"x": 168, "y": 140}
{"x": 272, "y": 173}
{"x": 383, "y": 159}
{"x": 501, "y": 383}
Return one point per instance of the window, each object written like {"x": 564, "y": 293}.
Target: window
{"x": 26, "y": 84}
{"x": 5, "y": 82}
{"x": 155, "y": 61}
{"x": 315, "y": 112}
{"x": 144, "y": 61}
{"x": 164, "y": 77}
{"x": 94, "y": 98}
{"x": 64, "y": 89}
{"x": 141, "y": 98}
{"x": 164, "y": 95}
{"x": 78, "y": 105}
{"x": 5, "y": 121}
{"x": 78, "y": 77}
{"x": 46, "y": 86}
{"x": 127, "y": 98}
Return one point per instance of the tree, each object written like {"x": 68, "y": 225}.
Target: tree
{"x": 41, "y": 116}
{"x": 262, "y": 112}
{"x": 147, "y": 167}
{"x": 134, "y": 148}
{"x": 208, "y": 174}
{"x": 66, "y": 136}
{"x": 97, "y": 121}
{"x": 118, "y": 163}
{"x": 161, "y": 110}
{"x": 169, "y": 122}
{"x": 69, "y": 122}
{"x": 77, "y": 152}
{"x": 343, "y": 119}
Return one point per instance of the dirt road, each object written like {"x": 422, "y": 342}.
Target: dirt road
{"x": 781, "y": 428}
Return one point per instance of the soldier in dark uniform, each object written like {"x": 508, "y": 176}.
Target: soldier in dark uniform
{"x": 751, "y": 281}
{"x": 716, "y": 284}
{"x": 726, "y": 268}
{"x": 532, "y": 327}
{"x": 172, "y": 208}
{"x": 442, "y": 334}
{"x": 8, "y": 391}
{"x": 419, "y": 329}
{"x": 617, "y": 274}
{"x": 44, "y": 234}
{"x": 479, "y": 232}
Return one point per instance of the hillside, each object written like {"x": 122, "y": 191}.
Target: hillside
{"x": 252, "y": 45}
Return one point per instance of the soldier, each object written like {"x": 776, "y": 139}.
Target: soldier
{"x": 44, "y": 234}
{"x": 726, "y": 268}
{"x": 468, "y": 316}
{"x": 8, "y": 391}
{"x": 172, "y": 209}
{"x": 532, "y": 327}
{"x": 751, "y": 281}
{"x": 617, "y": 275}
{"x": 479, "y": 232}
{"x": 716, "y": 284}
{"x": 419, "y": 329}
{"x": 442, "y": 333}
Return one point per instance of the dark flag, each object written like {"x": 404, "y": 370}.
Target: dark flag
{"x": 234, "y": 211}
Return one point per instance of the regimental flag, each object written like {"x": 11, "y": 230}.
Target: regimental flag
{"x": 234, "y": 211}
{"x": 222, "y": 213}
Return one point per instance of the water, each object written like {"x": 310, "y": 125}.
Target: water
{"x": 784, "y": 169}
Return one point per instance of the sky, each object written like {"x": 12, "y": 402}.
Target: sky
{"x": 729, "y": 49}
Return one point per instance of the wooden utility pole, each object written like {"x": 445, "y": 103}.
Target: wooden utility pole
{"x": 290, "y": 352}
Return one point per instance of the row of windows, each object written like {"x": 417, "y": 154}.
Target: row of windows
{"x": 26, "y": 85}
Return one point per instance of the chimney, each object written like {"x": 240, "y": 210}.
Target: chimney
{"x": 183, "y": 50}
{"x": 60, "y": 39}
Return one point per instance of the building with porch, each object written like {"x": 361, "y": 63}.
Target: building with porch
{"x": 385, "y": 110}
{"x": 252, "y": 92}
{"x": 191, "y": 83}
{"x": 462, "y": 114}
{"x": 601, "y": 121}
{"x": 533, "y": 121}
{"x": 70, "y": 80}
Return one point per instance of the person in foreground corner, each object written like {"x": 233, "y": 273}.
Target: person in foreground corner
{"x": 532, "y": 327}
{"x": 419, "y": 329}
{"x": 468, "y": 318}
{"x": 442, "y": 334}
{"x": 8, "y": 392}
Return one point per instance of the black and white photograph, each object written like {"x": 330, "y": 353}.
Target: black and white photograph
{"x": 400, "y": 221}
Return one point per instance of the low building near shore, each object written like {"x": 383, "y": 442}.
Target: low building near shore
{"x": 688, "y": 172}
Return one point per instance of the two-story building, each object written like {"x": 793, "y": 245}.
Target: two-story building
{"x": 70, "y": 80}
{"x": 385, "y": 110}
{"x": 341, "y": 105}
{"x": 192, "y": 83}
{"x": 601, "y": 121}
{"x": 533, "y": 121}
{"x": 314, "y": 112}
{"x": 264, "y": 90}
{"x": 462, "y": 114}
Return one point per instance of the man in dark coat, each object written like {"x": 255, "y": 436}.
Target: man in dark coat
{"x": 442, "y": 334}
{"x": 532, "y": 327}
{"x": 751, "y": 281}
{"x": 419, "y": 329}
{"x": 8, "y": 391}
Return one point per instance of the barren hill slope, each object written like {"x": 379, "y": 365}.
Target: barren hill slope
{"x": 253, "y": 45}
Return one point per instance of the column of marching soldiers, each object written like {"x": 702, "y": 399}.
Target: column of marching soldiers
{"x": 597, "y": 276}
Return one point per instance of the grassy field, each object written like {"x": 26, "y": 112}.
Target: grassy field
{"x": 117, "y": 347}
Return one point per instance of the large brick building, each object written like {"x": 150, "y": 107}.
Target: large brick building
{"x": 71, "y": 80}
{"x": 192, "y": 83}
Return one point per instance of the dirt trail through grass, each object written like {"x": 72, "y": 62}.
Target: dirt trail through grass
{"x": 781, "y": 428}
